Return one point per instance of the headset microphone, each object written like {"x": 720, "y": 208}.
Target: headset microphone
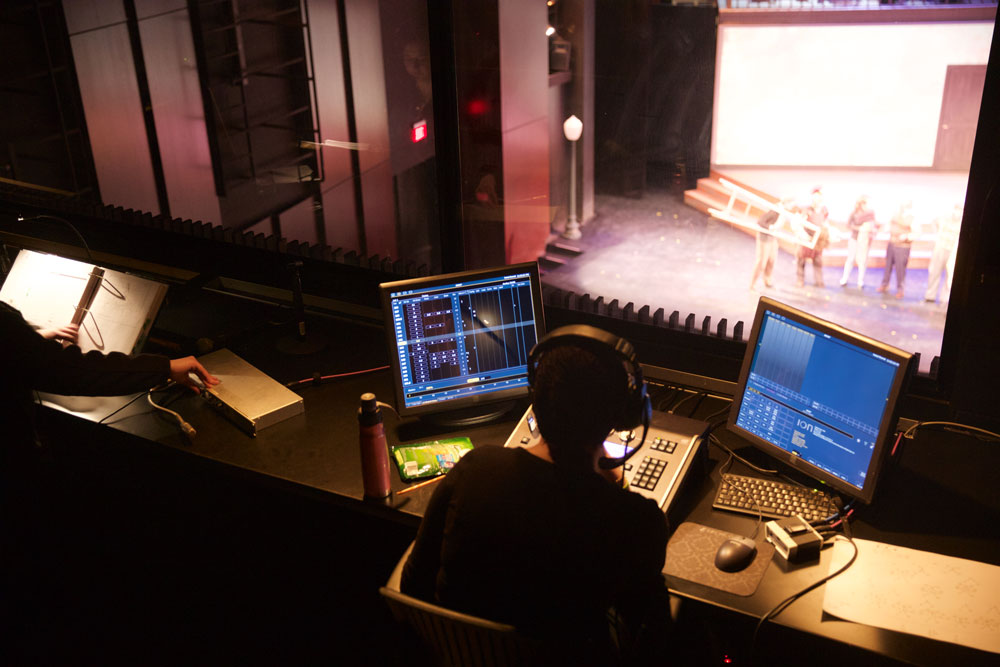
{"x": 638, "y": 410}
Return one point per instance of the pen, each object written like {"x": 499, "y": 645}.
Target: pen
{"x": 417, "y": 486}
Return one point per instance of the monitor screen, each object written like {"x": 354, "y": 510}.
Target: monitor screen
{"x": 462, "y": 340}
{"x": 818, "y": 397}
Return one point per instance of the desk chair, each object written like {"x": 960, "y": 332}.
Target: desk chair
{"x": 457, "y": 639}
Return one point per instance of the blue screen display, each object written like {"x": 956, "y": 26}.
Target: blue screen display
{"x": 463, "y": 339}
{"x": 816, "y": 396}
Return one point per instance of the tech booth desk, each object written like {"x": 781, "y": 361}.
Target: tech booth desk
{"x": 229, "y": 548}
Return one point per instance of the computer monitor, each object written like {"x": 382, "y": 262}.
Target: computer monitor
{"x": 459, "y": 343}
{"x": 819, "y": 397}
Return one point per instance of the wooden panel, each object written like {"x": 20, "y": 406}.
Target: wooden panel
{"x": 299, "y": 222}
{"x": 331, "y": 101}
{"x": 115, "y": 123}
{"x": 83, "y": 15}
{"x": 524, "y": 62}
{"x": 372, "y": 122}
{"x": 963, "y": 93}
{"x": 527, "y": 213}
{"x": 339, "y": 218}
{"x": 524, "y": 81}
{"x": 150, "y": 8}
{"x": 180, "y": 116}
{"x": 380, "y": 210}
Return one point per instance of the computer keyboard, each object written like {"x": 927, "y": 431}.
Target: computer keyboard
{"x": 774, "y": 500}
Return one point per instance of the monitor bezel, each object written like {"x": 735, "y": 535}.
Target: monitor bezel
{"x": 879, "y": 454}
{"x": 427, "y": 282}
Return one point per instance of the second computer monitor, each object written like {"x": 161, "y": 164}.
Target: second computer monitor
{"x": 459, "y": 343}
{"x": 818, "y": 397}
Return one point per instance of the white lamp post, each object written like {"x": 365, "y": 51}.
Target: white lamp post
{"x": 572, "y": 128}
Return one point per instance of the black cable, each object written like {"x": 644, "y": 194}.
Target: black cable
{"x": 718, "y": 443}
{"x": 130, "y": 402}
{"x": 784, "y": 604}
{"x": 685, "y": 400}
{"x": 45, "y": 216}
{"x": 760, "y": 513}
{"x": 697, "y": 404}
{"x": 720, "y": 412}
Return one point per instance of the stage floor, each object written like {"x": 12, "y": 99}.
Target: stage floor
{"x": 657, "y": 251}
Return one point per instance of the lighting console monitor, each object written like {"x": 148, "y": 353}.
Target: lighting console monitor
{"x": 459, "y": 343}
{"x": 819, "y": 397}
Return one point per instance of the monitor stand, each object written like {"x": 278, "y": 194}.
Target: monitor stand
{"x": 476, "y": 414}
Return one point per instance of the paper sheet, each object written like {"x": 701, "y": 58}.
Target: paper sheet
{"x": 917, "y": 592}
{"x": 47, "y": 288}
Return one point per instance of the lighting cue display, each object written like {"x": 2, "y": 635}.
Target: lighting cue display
{"x": 463, "y": 339}
{"x": 818, "y": 397}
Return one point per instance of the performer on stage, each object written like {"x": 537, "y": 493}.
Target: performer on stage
{"x": 818, "y": 215}
{"x": 767, "y": 246}
{"x": 861, "y": 226}
{"x": 943, "y": 256}
{"x": 897, "y": 253}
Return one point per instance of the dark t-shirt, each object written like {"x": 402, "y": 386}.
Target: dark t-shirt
{"x": 513, "y": 538}
{"x": 30, "y": 361}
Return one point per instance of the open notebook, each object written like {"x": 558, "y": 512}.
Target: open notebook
{"x": 115, "y": 310}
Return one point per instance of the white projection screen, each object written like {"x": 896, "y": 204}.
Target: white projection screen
{"x": 865, "y": 95}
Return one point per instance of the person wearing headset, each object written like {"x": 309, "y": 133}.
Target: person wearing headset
{"x": 545, "y": 538}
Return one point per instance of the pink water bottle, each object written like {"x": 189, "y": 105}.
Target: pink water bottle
{"x": 374, "y": 452}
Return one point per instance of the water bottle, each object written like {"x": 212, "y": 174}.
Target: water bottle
{"x": 374, "y": 452}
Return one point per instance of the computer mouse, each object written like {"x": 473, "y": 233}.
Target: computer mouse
{"x": 735, "y": 554}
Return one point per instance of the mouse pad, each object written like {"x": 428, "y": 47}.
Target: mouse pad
{"x": 691, "y": 556}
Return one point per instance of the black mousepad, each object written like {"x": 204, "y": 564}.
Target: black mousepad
{"x": 691, "y": 556}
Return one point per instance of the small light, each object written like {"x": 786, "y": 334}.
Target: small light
{"x": 477, "y": 107}
{"x": 550, "y": 31}
{"x": 419, "y": 131}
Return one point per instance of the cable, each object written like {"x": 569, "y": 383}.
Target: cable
{"x": 317, "y": 378}
{"x": 908, "y": 433}
{"x": 781, "y": 606}
{"x": 185, "y": 427}
{"x": 718, "y": 443}
{"x": 720, "y": 412}
{"x": 45, "y": 216}
{"x": 685, "y": 400}
{"x": 128, "y": 403}
{"x": 760, "y": 514}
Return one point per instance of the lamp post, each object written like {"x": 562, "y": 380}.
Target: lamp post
{"x": 572, "y": 128}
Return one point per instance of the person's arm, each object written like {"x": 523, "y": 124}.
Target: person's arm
{"x": 419, "y": 574}
{"x": 45, "y": 365}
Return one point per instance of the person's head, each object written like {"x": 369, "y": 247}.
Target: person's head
{"x": 817, "y": 196}
{"x": 579, "y": 393}
{"x": 862, "y": 204}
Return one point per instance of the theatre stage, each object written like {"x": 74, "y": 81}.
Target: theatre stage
{"x": 658, "y": 251}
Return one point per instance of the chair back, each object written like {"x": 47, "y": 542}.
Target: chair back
{"x": 461, "y": 640}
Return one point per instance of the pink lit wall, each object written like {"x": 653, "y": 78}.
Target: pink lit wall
{"x": 836, "y": 95}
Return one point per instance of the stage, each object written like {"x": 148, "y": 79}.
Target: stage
{"x": 658, "y": 251}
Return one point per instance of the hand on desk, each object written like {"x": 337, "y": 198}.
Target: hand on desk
{"x": 180, "y": 370}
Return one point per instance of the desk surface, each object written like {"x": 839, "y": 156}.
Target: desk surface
{"x": 938, "y": 497}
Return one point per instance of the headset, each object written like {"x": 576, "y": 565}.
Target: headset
{"x": 638, "y": 409}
